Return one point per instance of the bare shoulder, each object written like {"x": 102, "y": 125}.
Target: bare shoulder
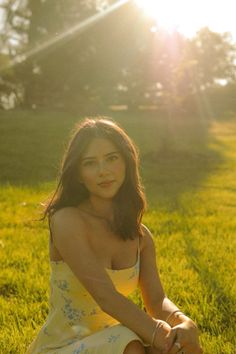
{"x": 66, "y": 221}
{"x": 147, "y": 239}
{"x": 72, "y": 242}
{"x": 146, "y": 231}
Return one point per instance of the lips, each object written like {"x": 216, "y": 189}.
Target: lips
{"x": 105, "y": 183}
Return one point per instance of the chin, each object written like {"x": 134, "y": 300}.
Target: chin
{"x": 107, "y": 194}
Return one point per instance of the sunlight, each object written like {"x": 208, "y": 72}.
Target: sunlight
{"x": 165, "y": 15}
{"x": 188, "y": 16}
{"x": 60, "y": 38}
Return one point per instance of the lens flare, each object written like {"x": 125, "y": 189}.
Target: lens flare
{"x": 188, "y": 16}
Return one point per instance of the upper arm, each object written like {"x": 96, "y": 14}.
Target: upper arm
{"x": 150, "y": 284}
{"x": 70, "y": 239}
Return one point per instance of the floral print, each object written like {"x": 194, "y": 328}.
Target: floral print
{"x": 62, "y": 284}
{"x": 73, "y": 314}
{"x": 113, "y": 338}
{"x": 79, "y": 350}
{"x": 75, "y": 323}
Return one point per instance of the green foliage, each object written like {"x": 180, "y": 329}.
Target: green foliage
{"x": 188, "y": 168}
{"x": 117, "y": 60}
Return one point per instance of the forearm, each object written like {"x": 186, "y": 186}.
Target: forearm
{"x": 130, "y": 315}
{"x": 163, "y": 310}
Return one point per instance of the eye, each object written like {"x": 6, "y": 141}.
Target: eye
{"x": 88, "y": 163}
{"x": 113, "y": 157}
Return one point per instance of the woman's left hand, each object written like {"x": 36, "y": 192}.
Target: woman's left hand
{"x": 185, "y": 339}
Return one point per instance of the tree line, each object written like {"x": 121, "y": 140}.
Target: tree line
{"x": 123, "y": 59}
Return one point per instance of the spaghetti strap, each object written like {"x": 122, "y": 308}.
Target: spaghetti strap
{"x": 138, "y": 247}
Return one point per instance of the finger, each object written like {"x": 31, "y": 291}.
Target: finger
{"x": 176, "y": 348}
{"x": 150, "y": 350}
{"x": 171, "y": 338}
{"x": 182, "y": 338}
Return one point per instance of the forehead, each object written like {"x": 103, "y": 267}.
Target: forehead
{"x": 99, "y": 146}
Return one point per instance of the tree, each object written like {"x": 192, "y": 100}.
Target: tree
{"x": 13, "y": 40}
{"x": 118, "y": 60}
{"x": 60, "y": 73}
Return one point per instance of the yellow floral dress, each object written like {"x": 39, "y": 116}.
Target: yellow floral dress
{"x": 75, "y": 323}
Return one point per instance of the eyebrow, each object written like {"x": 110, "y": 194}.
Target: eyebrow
{"x": 94, "y": 157}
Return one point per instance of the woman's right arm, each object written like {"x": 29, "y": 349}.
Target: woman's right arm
{"x": 70, "y": 238}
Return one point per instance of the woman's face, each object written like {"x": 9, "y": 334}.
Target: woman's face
{"x": 102, "y": 168}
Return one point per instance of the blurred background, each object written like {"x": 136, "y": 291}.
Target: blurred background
{"x": 84, "y": 56}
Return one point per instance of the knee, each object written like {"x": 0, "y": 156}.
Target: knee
{"x": 134, "y": 347}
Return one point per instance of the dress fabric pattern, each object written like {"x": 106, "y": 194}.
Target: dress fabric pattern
{"x": 75, "y": 323}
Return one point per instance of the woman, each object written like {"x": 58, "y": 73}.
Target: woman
{"x": 100, "y": 252}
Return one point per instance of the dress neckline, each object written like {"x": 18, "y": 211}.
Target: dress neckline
{"x": 109, "y": 269}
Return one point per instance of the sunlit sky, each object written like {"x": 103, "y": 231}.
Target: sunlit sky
{"x": 188, "y": 16}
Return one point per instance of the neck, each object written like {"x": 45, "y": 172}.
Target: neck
{"x": 100, "y": 207}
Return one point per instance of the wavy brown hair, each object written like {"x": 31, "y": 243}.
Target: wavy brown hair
{"x": 129, "y": 203}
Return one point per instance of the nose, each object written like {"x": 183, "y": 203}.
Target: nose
{"x": 102, "y": 168}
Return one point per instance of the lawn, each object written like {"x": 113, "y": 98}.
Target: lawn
{"x": 188, "y": 168}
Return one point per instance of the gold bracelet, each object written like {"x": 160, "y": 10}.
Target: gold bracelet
{"x": 154, "y": 332}
{"x": 172, "y": 313}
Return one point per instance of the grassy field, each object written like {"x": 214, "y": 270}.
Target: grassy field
{"x": 188, "y": 167}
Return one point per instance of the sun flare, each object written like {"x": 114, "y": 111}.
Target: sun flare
{"x": 188, "y": 16}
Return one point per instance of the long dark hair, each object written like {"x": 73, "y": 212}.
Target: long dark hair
{"x": 129, "y": 203}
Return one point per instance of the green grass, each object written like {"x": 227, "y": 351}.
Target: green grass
{"x": 189, "y": 172}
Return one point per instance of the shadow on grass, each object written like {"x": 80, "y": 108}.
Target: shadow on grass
{"x": 32, "y": 146}
{"x": 173, "y": 173}
{"x": 182, "y": 161}
{"x": 175, "y": 152}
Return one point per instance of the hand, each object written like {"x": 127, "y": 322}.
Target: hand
{"x": 185, "y": 339}
{"x": 162, "y": 341}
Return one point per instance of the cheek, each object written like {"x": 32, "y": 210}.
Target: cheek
{"x": 89, "y": 177}
{"x": 121, "y": 168}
